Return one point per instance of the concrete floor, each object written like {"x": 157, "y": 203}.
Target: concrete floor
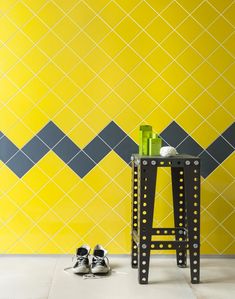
{"x": 43, "y": 277}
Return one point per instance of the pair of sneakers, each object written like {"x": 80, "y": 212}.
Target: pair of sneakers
{"x": 99, "y": 262}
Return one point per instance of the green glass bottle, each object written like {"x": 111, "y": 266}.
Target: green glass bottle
{"x": 154, "y": 145}
{"x": 144, "y": 134}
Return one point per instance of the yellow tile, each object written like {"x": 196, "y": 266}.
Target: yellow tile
{"x": 35, "y": 238}
{"x": 9, "y": 59}
{"x": 112, "y": 159}
{"x": 6, "y": 5}
{"x": 35, "y": 29}
{"x": 50, "y": 44}
{"x": 159, "y": 119}
{"x": 50, "y": 105}
{"x": 34, "y": 5}
{"x": 50, "y": 14}
{"x": 20, "y": 105}
{"x": 66, "y": 59}
{"x": 97, "y": 120}
{"x": 66, "y": 89}
{"x": 229, "y": 223}
{"x": 20, "y": 74}
{"x": 112, "y": 224}
{"x": 174, "y": 44}
{"x": 208, "y": 224}
{"x": 83, "y": 189}
{"x": 81, "y": 223}
{"x": 19, "y": 223}
{"x": 9, "y": 28}
{"x": 96, "y": 59}
{"x": 19, "y": 248}
{"x": 159, "y": 29}
{"x": 50, "y": 164}
{"x": 205, "y": 14}
{"x": 190, "y": 89}
{"x": 65, "y": 29}
{"x": 82, "y": 104}
{"x": 143, "y": 14}
{"x": 229, "y": 14}
{"x": 66, "y": 119}
{"x": 82, "y": 44}
{"x": 97, "y": 209}
{"x": 7, "y": 208}
{"x": 147, "y": 108}
{"x": 228, "y": 194}
{"x": 229, "y": 105}
{"x": 20, "y": 44}
{"x": 82, "y": 135}
{"x": 112, "y": 194}
{"x": 99, "y": 234}
{"x": 215, "y": 119}
{"x": 8, "y": 180}
{"x": 50, "y": 74}
{"x": 174, "y": 75}
{"x": 8, "y": 238}
{"x": 174, "y": 104}
{"x": 205, "y": 44}
{"x": 35, "y": 120}
{"x": 35, "y": 208}
{"x": 112, "y": 14}
{"x": 16, "y": 136}
{"x": 127, "y": 35}
{"x": 204, "y": 139}
{"x": 229, "y": 164}
{"x": 50, "y": 247}
{"x": 66, "y": 179}
{"x": 230, "y": 249}
{"x": 82, "y": 74}
{"x": 35, "y": 89}
{"x": 159, "y": 89}
{"x": 137, "y": 74}
{"x": 189, "y": 120}
{"x": 205, "y": 104}
{"x": 81, "y": 14}
{"x": 189, "y": 59}
{"x": 23, "y": 190}
{"x": 50, "y": 193}
{"x": 8, "y": 119}
{"x": 97, "y": 29}
{"x": 221, "y": 89}
{"x": 189, "y": 29}
{"x": 8, "y": 88}
{"x": 220, "y": 6}
{"x": 112, "y": 74}
{"x": 123, "y": 210}
{"x": 205, "y": 75}
{"x": 220, "y": 209}
{"x": 220, "y": 29}
{"x": 123, "y": 179}
{"x": 174, "y": 14}
{"x": 207, "y": 248}
{"x": 127, "y": 59}
{"x": 66, "y": 209}
{"x": 143, "y": 44}
{"x": 112, "y": 44}
{"x": 220, "y": 59}
{"x": 127, "y": 120}
{"x": 35, "y": 179}
{"x": 95, "y": 5}
{"x": 127, "y": 90}
{"x": 220, "y": 239}
{"x": 97, "y": 89}
{"x": 112, "y": 105}
{"x": 50, "y": 223}
{"x": 229, "y": 74}
{"x": 220, "y": 179}
{"x": 158, "y": 59}
{"x": 123, "y": 239}
{"x": 97, "y": 179}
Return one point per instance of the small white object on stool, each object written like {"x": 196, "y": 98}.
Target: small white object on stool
{"x": 168, "y": 151}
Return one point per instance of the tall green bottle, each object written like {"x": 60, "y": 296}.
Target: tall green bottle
{"x": 144, "y": 134}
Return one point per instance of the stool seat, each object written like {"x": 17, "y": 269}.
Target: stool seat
{"x": 185, "y": 179}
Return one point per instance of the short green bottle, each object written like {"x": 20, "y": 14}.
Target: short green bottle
{"x": 154, "y": 145}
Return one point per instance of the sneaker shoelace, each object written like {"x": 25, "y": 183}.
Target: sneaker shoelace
{"x": 99, "y": 261}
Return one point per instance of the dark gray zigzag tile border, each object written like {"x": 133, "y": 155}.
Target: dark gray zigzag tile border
{"x": 112, "y": 137}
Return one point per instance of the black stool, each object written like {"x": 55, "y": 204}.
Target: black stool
{"x": 185, "y": 174}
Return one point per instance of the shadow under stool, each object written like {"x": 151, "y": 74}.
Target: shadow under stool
{"x": 185, "y": 180}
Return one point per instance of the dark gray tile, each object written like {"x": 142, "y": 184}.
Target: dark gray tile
{"x": 173, "y": 134}
{"x": 7, "y": 149}
{"x": 189, "y": 146}
{"x": 1, "y": 134}
{"x": 229, "y": 135}
{"x": 66, "y": 149}
{"x": 97, "y": 149}
{"x": 20, "y": 164}
{"x": 208, "y": 164}
{"x": 220, "y": 149}
{"x": 81, "y": 164}
{"x": 112, "y": 134}
{"x": 35, "y": 149}
{"x": 51, "y": 134}
{"x": 126, "y": 148}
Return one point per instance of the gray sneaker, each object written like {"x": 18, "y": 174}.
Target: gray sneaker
{"x": 81, "y": 265}
{"x": 100, "y": 262}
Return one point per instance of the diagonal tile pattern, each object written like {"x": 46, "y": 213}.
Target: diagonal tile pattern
{"x": 71, "y": 74}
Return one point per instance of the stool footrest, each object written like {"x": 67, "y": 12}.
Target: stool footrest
{"x": 168, "y": 245}
{"x": 169, "y": 231}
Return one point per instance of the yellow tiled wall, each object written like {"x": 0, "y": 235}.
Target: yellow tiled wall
{"x": 84, "y": 64}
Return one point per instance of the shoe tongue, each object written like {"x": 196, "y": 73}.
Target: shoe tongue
{"x": 82, "y": 251}
{"x": 99, "y": 252}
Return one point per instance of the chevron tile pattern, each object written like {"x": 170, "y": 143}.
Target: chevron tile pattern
{"x": 112, "y": 137}
{"x": 77, "y": 79}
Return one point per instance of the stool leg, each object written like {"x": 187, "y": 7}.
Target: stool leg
{"x": 192, "y": 193}
{"x": 134, "y": 213}
{"x": 179, "y": 213}
{"x": 146, "y": 209}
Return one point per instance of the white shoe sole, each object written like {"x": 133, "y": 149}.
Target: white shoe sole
{"x": 100, "y": 270}
{"x": 81, "y": 270}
